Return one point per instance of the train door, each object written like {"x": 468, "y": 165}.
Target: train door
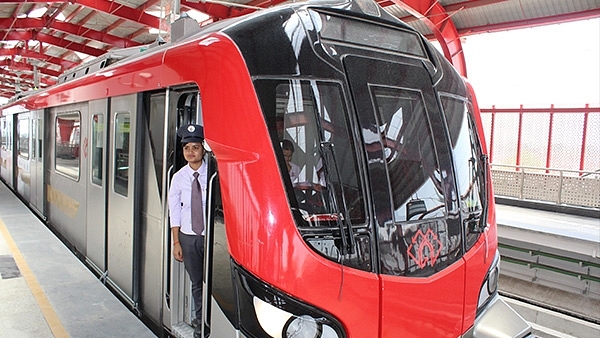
{"x": 6, "y": 148}
{"x": 94, "y": 149}
{"x": 418, "y": 228}
{"x": 37, "y": 162}
{"x": 219, "y": 306}
{"x": 184, "y": 108}
{"x": 122, "y": 231}
{"x": 152, "y": 193}
{"x": 65, "y": 173}
{"x": 22, "y": 169}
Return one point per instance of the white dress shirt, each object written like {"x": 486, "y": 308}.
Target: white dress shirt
{"x": 180, "y": 197}
{"x": 294, "y": 173}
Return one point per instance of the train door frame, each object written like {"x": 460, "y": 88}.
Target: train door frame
{"x": 152, "y": 134}
{"x": 122, "y": 242}
{"x": 183, "y": 107}
{"x": 65, "y": 172}
{"x": 22, "y": 162}
{"x": 218, "y": 310}
{"x": 38, "y": 164}
{"x": 6, "y": 149}
{"x": 96, "y": 183}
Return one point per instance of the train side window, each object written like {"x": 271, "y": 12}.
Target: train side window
{"x": 40, "y": 138}
{"x": 97, "y": 148}
{"x": 23, "y": 137}
{"x": 3, "y": 133}
{"x": 121, "y": 151}
{"x": 66, "y": 144}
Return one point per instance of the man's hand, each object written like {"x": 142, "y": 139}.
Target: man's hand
{"x": 177, "y": 253}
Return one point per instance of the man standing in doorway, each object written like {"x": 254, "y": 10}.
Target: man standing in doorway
{"x": 187, "y": 202}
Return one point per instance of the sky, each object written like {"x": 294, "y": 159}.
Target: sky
{"x": 556, "y": 64}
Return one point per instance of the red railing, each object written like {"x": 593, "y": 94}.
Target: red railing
{"x": 566, "y": 138}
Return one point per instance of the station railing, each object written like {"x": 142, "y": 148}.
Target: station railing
{"x": 549, "y": 154}
{"x": 550, "y": 137}
{"x": 576, "y": 188}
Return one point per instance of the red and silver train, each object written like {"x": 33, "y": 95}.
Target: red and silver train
{"x": 387, "y": 231}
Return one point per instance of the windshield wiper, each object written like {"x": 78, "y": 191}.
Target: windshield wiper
{"x": 343, "y": 223}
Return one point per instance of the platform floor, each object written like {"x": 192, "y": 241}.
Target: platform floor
{"x": 579, "y": 235}
{"x": 45, "y": 291}
{"x": 548, "y": 222}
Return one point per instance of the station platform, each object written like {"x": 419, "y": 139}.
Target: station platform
{"x": 584, "y": 228}
{"x": 45, "y": 291}
{"x": 557, "y": 305}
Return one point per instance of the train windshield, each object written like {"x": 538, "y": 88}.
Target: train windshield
{"x": 309, "y": 128}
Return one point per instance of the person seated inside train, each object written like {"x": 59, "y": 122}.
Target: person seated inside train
{"x": 321, "y": 174}
{"x": 293, "y": 169}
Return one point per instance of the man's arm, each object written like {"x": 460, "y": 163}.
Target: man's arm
{"x": 177, "y": 253}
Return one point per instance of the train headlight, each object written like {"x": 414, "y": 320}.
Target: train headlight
{"x": 270, "y": 318}
{"x": 489, "y": 288}
{"x": 302, "y": 327}
{"x": 264, "y": 311}
{"x": 308, "y": 327}
{"x": 278, "y": 323}
{"x": 492, "y": 282}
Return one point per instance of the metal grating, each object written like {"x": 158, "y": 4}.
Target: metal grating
{"x": 507, "y": 183}
{"x": 581, "y": 191}
{"x": 542, "y": 187}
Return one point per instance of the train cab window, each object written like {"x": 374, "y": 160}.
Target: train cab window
{"x": 23, "y": 137}
{"x": 416, "y": 239}
{"x": 66, "y": 145}
{"x": 121, "y": 151}
{"x": 412, "y": 166}
{"x": 310, "y": 132}
{"x": 97, "y": 148}
{"x": 470, "y": 165}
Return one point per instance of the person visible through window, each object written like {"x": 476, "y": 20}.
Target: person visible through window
{"x": 187, "y": 202}
{"x": 294, "y": 170}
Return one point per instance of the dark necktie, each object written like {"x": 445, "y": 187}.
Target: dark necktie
{"x": 197, "y": 212}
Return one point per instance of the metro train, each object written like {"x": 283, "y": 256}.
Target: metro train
{"x": 388, "y": 231}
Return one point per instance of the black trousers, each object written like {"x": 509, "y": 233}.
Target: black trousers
{"x": 193, "y": 260}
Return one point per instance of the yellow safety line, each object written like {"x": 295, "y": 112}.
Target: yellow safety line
{"x": 58, "y": 330}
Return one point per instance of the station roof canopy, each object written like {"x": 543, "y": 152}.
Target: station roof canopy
{"x": 42, "y": 39}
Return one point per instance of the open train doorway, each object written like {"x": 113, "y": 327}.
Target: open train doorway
{"x": 184, "y": 107}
